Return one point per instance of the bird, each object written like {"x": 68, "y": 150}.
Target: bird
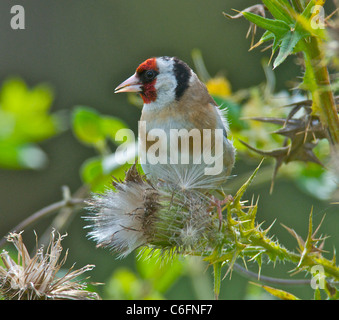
{"x": 175, "y": 100}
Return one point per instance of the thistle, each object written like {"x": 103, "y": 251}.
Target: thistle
{"x": 172, "y": 216}
{"x": 179, "y": 219}
{"x": 36, "y": 278}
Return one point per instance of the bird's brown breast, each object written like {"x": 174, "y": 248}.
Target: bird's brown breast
{"x": 196, "y": 109}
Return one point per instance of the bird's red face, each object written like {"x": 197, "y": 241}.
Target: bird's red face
{"x": 143, "y": 81}
{"x": 160, "y": 81}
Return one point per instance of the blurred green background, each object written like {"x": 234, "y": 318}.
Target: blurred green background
{"x": 83, "y": 49}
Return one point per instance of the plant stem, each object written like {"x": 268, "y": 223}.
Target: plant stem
{"x": 298, "y": 6}
{"x": 43, "y": 213}
{"x": 266, "y": 279}
{"x": 319, "y": 86}
{"x": 65, "y": 215}
{"x": 274, "y": 249}
{"x": 217, "y": 279}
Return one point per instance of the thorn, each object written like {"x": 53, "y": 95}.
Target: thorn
{"x": 331, "y": 14}
{"x": 316, "y": 230}
{"x": 269, "y": 228}
{"x": 239, "y": 15}
{"x": 300, "y": 241}
{"x": 253, "y": 46}
{"x": 269, "y": 61}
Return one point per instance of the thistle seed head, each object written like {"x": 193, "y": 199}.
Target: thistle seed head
{"x": 36, "y": 278}
{"x": 140, "y": 214}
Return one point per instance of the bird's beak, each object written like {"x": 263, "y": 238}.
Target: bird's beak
{"x": 132, "y": 84}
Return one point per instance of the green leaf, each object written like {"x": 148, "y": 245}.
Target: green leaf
{"x": 307, "y": 13}
{"x": 281, "y": 294}
{"x": 92, "y": 128}
{"x": 7, "y": 125}
{"x": 27, "y": 112}
{"x": 17, "y": 98}
{"x": 277, "y": 27}
{"x": 24, "y": 120}
{"x": 9, "y": 156}
{"x": 110, "y": 126}
{"x": 287, "y": 45}
{"x": 298, "y": 7}
{"x": 91, "y": 173}
{"x": 280, "y": 10}
{"x": 267, "y": 36}
{"x": 94, "y": 173}
{"x": 87, "y": 125}
{"x": 91, "y": 170}
{"x": 36, "y": 128}
{"x": 21, "y": 156}
{"x": 284, "y": 36}
{"x": 286, "y": 33}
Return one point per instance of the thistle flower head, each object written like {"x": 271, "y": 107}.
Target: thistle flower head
{"x": 139, "y": 214}
{"x": 188, "y": 178}
{"x": 36, "y": 278}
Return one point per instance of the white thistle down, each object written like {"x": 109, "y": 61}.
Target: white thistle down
{"x": 170, "y": 215}
{"x": 119, "y": 217}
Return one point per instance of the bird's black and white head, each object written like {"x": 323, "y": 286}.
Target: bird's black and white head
{"x": 160, "y": 81}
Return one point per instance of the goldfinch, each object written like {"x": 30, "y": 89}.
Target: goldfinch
{"x": 183, "y": 134}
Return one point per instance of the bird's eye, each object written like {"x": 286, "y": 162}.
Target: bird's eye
{"x": 149, "y": 74}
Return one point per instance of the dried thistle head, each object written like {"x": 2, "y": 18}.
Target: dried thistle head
{"x": 36, "y": 278}
{"x": 170, "y": 216}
